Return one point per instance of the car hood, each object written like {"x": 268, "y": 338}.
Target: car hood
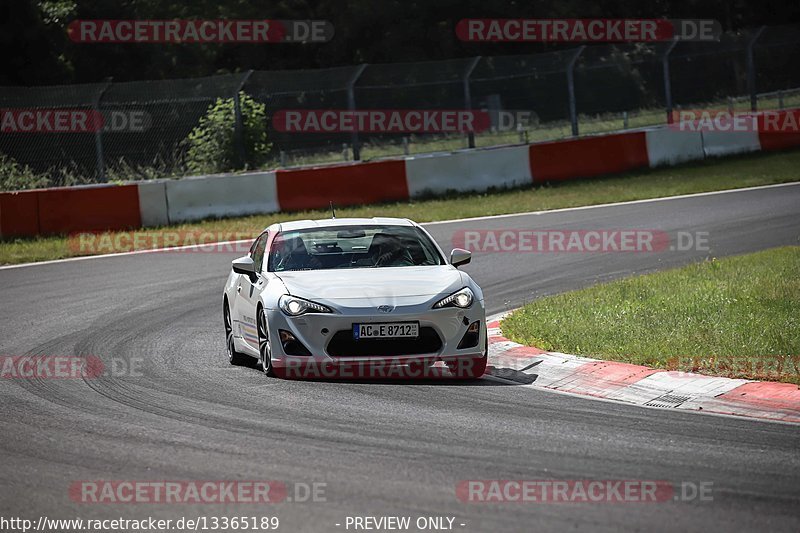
{"x": 374, "y": 285}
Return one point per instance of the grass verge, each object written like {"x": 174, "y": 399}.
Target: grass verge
{"x": 709, "y": 175}
{"x": 735, "y": 317}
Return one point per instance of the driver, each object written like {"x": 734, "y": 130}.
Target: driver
{"x": 388, "y": 250}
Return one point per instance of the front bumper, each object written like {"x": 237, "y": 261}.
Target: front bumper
{"x": 317, "y": 330}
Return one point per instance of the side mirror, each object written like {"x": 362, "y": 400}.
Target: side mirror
{"x": 460, "y": 256}
{"x": 244, "y": 265}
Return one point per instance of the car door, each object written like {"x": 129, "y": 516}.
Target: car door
{"x": 248, "y": 292}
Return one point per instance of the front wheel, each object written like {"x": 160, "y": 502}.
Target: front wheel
{"x": 264, "y": 346}
{"x": 235, "y": 358}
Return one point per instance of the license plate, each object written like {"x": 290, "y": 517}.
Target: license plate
{"x": 388, "y": 330}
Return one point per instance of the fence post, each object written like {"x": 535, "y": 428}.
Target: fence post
{"x": 238, "y": 129}
{"x": 573, "y": 112}
{"x": 98, "y": 135}
{"x": 667, "y": 80}
{"x": 751, "y": 68}
{"x": 468, "y": 95}
{"x": 351, "y": 106}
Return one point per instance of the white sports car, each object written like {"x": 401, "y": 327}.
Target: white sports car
{"x": 354, "y": 297}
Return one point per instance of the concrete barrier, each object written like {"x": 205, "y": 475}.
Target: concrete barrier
{"x": 358, "y": 183}
{"x": 667, "y": 147}
{"x": 88, "y": 208}
{"x": 722, "y": 143}
{"x": 475, "y": 170}
{"x": 221, "y": 196}
{"x": 163, "y": 202}
{"x": 588, "y": 156}
{"x": 779, "y": 130}
{"x": 19, "y": 213}
{"x": 153, "y": 203}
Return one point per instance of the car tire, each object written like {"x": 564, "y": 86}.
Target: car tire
{"x": 265, "y": 347}
{"x": 235, "y": 358}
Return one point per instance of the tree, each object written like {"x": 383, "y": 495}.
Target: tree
{"x": 212, "y": 145}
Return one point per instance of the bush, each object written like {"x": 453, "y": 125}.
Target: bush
{"x": 16, "y": 177}
{"x": 211, "y": 146}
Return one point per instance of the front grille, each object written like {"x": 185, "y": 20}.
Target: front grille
{"x": 342, "y": 344}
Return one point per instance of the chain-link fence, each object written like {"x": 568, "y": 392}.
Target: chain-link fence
{"x": 585, "y": 89}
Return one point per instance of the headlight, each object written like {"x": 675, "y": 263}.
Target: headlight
{"x": 462, "y": 298}
{"x": 293, "y": 306}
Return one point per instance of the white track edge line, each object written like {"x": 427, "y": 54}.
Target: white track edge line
{"x": 613, "y": 204}
{"x": 487, "y": 217}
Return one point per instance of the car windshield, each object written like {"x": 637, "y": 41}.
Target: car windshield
{"x": 352, "y": 247}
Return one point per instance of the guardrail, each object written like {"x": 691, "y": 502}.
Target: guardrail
{"x": 165, "y": 202}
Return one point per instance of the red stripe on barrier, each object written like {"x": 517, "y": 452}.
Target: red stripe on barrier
{"x": 778, "y": 141}
{"x": 19, "y": 213}
{"x": 363, "y": 183}
{"x": 108, "y": 207}
{"x": 590, "y": 156}
{"x": 779, "y": 130}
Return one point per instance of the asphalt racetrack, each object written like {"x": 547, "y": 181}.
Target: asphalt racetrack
{"x": 396, "y": 449}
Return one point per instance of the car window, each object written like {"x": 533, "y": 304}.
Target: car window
{"x": 352, "y": 247}
{"x": 258, "y": 251}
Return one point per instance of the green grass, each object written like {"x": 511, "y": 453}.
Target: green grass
{"x": 736, "y": 317}
{"x": 710, "y": 175}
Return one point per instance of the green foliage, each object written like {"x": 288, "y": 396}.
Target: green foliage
{"x": 212, "y": 145}
{"x": 57, "y": 11}
{"x": 15, "y": 177}
{"x": 38, "y": 50}
{"x": 158, "y": 167}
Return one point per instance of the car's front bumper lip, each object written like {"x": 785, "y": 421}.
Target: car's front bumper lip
{"x": 380, "y": 368}
{"x": 382, "y": 360}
